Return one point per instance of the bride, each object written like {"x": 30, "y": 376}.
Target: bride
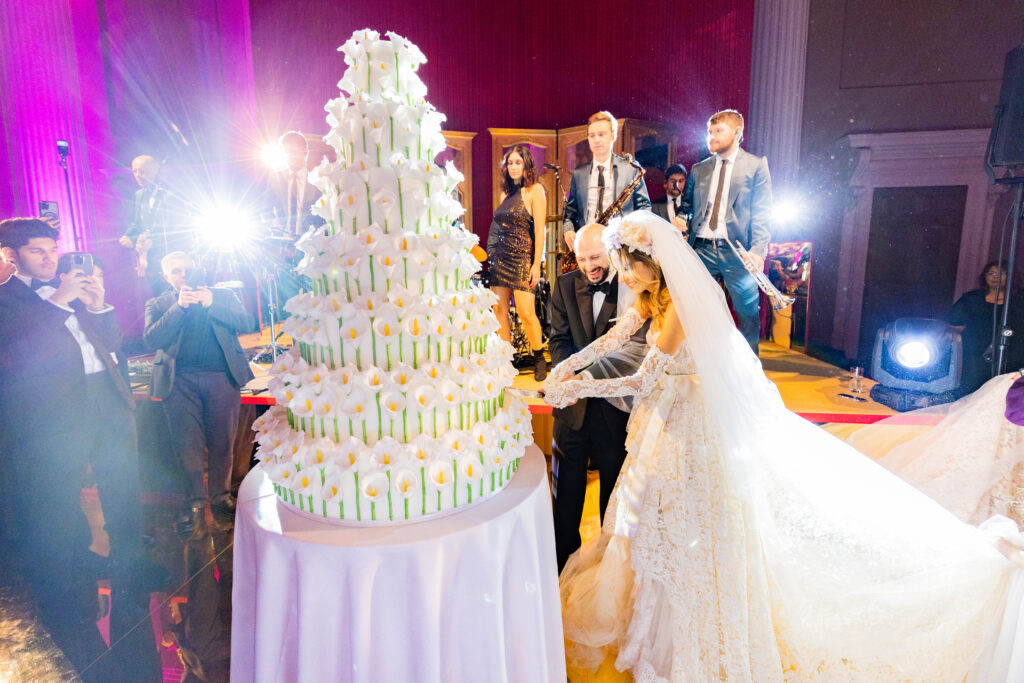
{"x": 745, "y": 544}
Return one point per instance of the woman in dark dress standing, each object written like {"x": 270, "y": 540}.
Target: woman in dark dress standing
{"x": 515, "y": 246}
{"x": 973, "y": 315}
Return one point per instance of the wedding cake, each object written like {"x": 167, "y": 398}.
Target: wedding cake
{"x": 391, "y": 404}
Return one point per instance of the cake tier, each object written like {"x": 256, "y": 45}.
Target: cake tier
{"x": 391, "y": 406}
{"x": 350, "y": 482}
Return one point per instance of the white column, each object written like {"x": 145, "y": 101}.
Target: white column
{"x": 778, "y": 68}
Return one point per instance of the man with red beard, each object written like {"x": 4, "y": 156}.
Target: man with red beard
{"x": 584, "y": 306}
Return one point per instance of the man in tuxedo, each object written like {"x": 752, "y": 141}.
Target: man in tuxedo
{"x": 158, "y": 222}
{"x": 198, "y": 372}
{"x": 291, "y": 194}
{"x": 584, "y": 305}
{"x": 729, "y": 197}
{"x": 670, "y": 207}
{"x": 596, "y": 185}
{"x": 65, "y": 406}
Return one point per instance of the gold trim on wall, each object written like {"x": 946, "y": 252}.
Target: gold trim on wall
{"x": 462, "y": 143}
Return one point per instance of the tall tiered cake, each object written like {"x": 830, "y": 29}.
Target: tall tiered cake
{"x": 391, "y": 403}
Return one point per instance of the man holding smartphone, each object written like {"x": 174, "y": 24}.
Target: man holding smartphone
{"x": 198, "y": 372}
{"x": 64, "y": 406}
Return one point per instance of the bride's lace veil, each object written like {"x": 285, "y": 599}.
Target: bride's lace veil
{"x": 849, "y": 548}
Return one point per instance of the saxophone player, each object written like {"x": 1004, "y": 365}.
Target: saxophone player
{"x": 597, "y": 184}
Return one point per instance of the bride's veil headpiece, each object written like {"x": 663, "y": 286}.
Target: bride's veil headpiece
{"x": 848, "y": 546}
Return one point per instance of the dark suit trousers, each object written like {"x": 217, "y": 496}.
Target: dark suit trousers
{"x": 47, "y": 464}
{"x": 741, "y": 285}
{"x": 202, "y": 413}
{"x": 51, "y": 462}
{"x": 601, "y": 441}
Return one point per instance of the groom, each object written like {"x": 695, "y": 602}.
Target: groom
{"x": 584, "y": 305}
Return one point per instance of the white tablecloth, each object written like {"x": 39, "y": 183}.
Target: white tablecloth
{"x": 469, "y": 597}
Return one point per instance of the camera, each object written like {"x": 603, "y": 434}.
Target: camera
{"x": 195, "y": 277}
{"x": 75, "y": 260}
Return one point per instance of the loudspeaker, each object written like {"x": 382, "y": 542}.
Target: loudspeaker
{"x": 1008, "y": 130}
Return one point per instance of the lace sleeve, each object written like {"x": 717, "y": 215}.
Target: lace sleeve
{"x": 561, "y": 394}
{"x": 608, "y": 342}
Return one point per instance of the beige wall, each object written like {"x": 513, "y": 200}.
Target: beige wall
{"x": 889, "y": 66}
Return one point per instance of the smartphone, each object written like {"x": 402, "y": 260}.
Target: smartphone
{"x": 48, "y": 212}
{"x": 195, "y": 277}
{"x": 72, "y": 260}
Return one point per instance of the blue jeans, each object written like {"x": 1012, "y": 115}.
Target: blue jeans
{"x": 741, "y": 285}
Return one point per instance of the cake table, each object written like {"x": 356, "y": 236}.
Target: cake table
{"x": 472, "y": 596}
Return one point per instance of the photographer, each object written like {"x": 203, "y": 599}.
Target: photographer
{"x": 198, "y": 371}
{"x": 65, "y": 406}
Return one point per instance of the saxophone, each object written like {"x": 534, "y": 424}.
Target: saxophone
{"x": 569, "y": 259}
{"x": 616, "y": 206}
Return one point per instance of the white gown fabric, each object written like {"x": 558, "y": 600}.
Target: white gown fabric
{"x": 965, "y": 455}
{"x": 743, "y": 543}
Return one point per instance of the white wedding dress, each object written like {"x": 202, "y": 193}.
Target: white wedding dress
{"x": 743, "y": 543}
{"x": 965, "y": 455}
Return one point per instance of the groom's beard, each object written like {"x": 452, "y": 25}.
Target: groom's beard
{"x": 599, "y": 275}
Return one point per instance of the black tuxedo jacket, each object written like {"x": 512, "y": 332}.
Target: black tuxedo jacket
{"x": 276, "y": 203}
{"x": 573, "y": 328}
{"x": 42, "y": 375}
{"x": 165, "y": 321}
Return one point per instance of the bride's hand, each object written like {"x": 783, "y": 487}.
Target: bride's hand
{"x": 560, "y": 372}
{"x": 556, "y": 395}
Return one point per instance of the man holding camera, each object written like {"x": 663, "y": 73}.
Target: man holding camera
{"x": 64, "y": 406}
{"x": 198, "y": 372}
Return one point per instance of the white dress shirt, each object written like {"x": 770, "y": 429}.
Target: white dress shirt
{"x": 90, "y": 358}
{"x": 609, "y": 189}
{"x": 671, "y": 206}
{"x": 718, "y": 231}
{"x": 599, "y": 296}
{"x": 296, "y": 194}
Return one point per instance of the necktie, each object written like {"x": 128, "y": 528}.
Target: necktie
{"x": 675, "y": 206}
{"x": 713, "y": 223}
{"x": 600, "y": 190}
{"x": 599, "y": 287}
{"x": 36, "y": 284}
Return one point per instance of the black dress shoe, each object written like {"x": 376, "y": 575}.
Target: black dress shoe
{"x": 223, "y": 509}
{"x": 192, "y": 521}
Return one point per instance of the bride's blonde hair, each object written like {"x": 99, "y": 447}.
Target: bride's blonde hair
{"x": 653, "y": 302}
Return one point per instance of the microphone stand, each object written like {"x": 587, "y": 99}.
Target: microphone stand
{"x": 62, "y": 150}
{"x": 1004, "y": 332}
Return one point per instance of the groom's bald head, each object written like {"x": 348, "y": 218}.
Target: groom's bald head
{"x": 591, "y": 256}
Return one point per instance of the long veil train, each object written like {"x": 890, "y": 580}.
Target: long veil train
{"x": 869, "y": 579}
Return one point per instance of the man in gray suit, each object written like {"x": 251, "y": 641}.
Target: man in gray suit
{"x": 596, "y": 185}
{"x": 729, "y": 197}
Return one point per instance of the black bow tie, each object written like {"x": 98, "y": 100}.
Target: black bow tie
{"x": 36, "y": 284}
{"x": 600, "y": 287}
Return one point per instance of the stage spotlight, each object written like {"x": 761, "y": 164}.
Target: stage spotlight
{"x": 225, "y": 227}
{"x": 916, "y": 362}
{"x": 274, "y": 157}
{"x": 913, "y": 354}
{"x": 786, "y": 211}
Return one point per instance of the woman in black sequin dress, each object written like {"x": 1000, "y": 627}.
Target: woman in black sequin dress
{"x": 515, "y": 246}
